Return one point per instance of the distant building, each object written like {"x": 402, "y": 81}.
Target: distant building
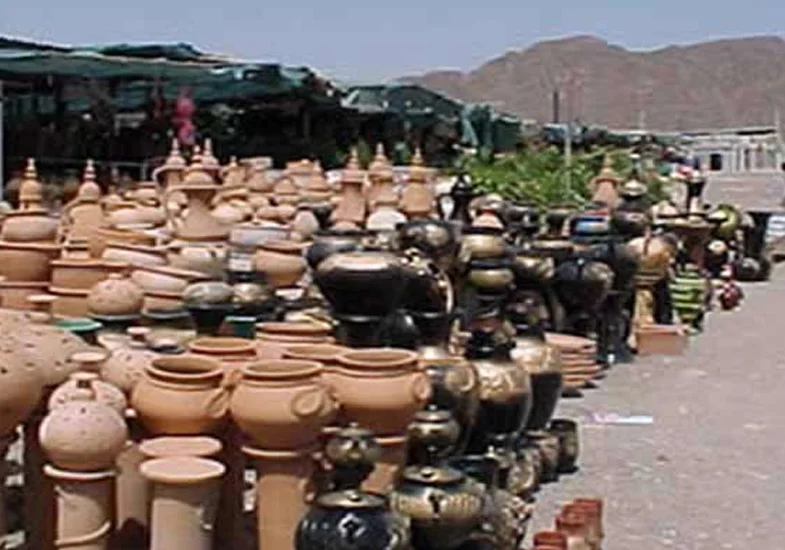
{"x": 736, "y": 150}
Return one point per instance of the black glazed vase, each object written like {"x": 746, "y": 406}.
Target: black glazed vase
{"x": 351, "y": 520}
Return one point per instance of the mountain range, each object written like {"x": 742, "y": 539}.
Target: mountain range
{"x": 710, "y": 85}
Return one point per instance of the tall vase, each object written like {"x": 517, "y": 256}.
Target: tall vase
{"x": 84, "y": 508}
{"x": 185, "y": 499}
{"x": 283, "y": 488}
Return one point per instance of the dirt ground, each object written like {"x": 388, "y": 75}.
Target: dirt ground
{"x": 705, "y": 475}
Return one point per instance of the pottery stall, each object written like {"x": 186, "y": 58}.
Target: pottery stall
{"x": 237, "y": 357}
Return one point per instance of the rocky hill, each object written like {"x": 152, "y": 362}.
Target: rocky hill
{"x": 724, "y": 83}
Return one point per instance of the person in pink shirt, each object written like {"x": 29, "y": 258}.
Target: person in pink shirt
{"x": 184, "y": 110}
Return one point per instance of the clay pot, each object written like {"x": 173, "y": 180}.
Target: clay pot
{"x": 294, "y": 332}
{"x": 83, "y": 434}
{"x": 20, "y": 390}
{"x": 118, "y": 295}
{"x": 281, "y": 262}
{"x": 185, "y": 501}
{"x": 82, "y": 274}
{"x": 282, "y": 404}
{"x": 443, "y": 505}
{"x": 181, "y": 395}
{"x": 105, "y": 236}
{"x": 104, "y": 392}
{"x": 134, "y": 254}
{"x": 361, "y": 283}
{"x": 256, "y": 233}
{"x": 224, "y": 349}
{"x": 165, "y": 278}
{"x": 29, "y": 226}
{"x": 456, "y": 388}
{"x": 381, "y": 388}
{"x": 204, "y": 257}
{"x": 326, "y": 243}
{"x": 125, "y": 365}
{"x": 326, "y": 354}
{"x": 27, "y": 262}
{"x": 544, "y": 365}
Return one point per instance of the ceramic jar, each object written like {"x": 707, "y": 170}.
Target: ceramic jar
{"x": 224, "y": 349}
{"x": 350, "y": 520}
{"x": 181, "y": 395}
{"x": 456, "y": 387}
{"x": 126, "y": 362}
{"x": 380, "y": 389}
{"x": 257, "y": 232}
{"x": 104, "y": 392}
{"x": 443, "y": 505}
{"x": 281, "y": 262}
{"x": 544, "y": 365}
{"x": 327, "y": 243}
{"x": 282, "y": 404}
{"x": 361, "y": 283}
{"x": 83, "y": 434}
{"x": 118, "y": 295}
{"x": 20, "y": 390}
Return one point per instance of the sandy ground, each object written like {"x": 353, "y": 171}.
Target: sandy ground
{"x": 706, "y": 474}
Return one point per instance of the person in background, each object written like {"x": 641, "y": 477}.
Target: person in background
{"x": 184, "y": 110}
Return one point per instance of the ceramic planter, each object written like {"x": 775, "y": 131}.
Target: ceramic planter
{"x": 181, "y": 395}
{"x": 185, "y": 501}
{"x": 282, "y": 404}
{"x": 380, "y": 389}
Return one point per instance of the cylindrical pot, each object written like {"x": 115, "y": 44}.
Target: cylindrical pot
{"x": 380, "y": 388}
{"x": 185, "y": 499}
{"x": 182, "y": 395}
{"x": 84, "y": 508}
{"x": 282, "y": 404}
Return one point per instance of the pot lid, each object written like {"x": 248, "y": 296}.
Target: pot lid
{"x": 350, "y": 499}
{"x": 432, "y": 475}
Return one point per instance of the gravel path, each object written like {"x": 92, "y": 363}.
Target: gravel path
{"x": 706, "y": 474}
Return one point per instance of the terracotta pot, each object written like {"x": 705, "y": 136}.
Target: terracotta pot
{"x": 185, "y": 501}
{"x": 256, "y": 233}
{"x": 326, "y": 354}
{"x": 294, "y": 332}
{"x": 27, "y": 262}
{"x": 104, "y": 392}
{"x": 105, "y": 235}
{"x": 135, "y": 255}
{"x": 82, "y": 274}
{"x": 14, "y": 294}
{"x": 281, "y": 262}
{"x": 224, "y": 349}
{"x": 125, "y": 365}
{"x": 84, "y": 508}
{"x": 83, "y": 434}
{"x": 381, "y": 388}
{"x": 181, "y": 395}
{"x": 70, "y": 302}
{"x": 282, "y": 404}
{"x": 165, "y": 278}
{"x": 205, "y": 257}
{"x": 118, "y": 295}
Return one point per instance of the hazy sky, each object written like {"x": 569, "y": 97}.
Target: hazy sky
{"x": 366, "y": 40}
